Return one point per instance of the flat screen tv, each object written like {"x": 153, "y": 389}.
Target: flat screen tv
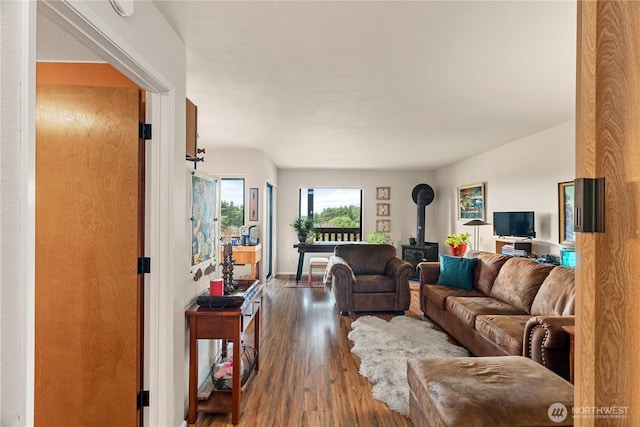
{"x": 517, "y": 224}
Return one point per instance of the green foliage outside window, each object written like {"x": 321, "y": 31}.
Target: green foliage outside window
{"x": 342, "y": 217}
{"x": 232, "y": 215}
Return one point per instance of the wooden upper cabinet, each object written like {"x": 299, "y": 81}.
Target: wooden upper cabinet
{"x": 192, "y": 130}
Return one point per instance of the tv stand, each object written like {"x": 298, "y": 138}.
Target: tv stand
{"x": 525, "y": 245}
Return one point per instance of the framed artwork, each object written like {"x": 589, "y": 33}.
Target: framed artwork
{"x": 565, "y": 212}
{"x": 253, "y": 204}
{"x": 471, "y": 201}
{"x": 383, "y": 225}
{"x": 203, "y": 225}
{"x": 383, "y": 193}
{"x": 383, "y": 209}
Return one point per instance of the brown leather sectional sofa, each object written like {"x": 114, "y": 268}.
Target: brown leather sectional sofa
{"x": 517, "y": 307}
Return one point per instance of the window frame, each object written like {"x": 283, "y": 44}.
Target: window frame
{"x": 310, "y": 204}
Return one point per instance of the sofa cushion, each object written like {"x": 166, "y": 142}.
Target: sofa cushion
{"x": 366, "y": 258}
{"x": 486, "y": 271}
{"x": 456, "y": 271}
{"x": 467, "y": 308}
{"x": 557, "y": 294}
{"x": 518, "y": 282}
{"x": 438, "y": 294}
{"x": 505, "y": 331}
{"x": 374, "y": 283}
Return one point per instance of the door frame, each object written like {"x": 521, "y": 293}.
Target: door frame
{"x": 269, "y": 232}
{"x": 78, "y": 20}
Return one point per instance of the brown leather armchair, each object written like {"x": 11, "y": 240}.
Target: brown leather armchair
{"x": 368, "y": 277}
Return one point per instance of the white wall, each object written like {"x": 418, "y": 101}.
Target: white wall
{"x": 519, "y": 176}
{"x": 403, "y": 209}
{"x": 257, "y": 169}
{"x": 155, "y": 57}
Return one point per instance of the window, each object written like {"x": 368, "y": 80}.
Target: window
{"x": 231, "y": 206}
{"x": 336, "y": 212}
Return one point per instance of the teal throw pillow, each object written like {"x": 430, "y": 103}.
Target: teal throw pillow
{"x": 456, "y": 271}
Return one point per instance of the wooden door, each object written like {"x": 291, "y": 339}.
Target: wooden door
{"x": 607, "y": 357}
{"x": 87, "y": 345}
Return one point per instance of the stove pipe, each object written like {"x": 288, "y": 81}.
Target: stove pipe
{"x": 421, "y": 221}
{"x": 422, "y": 195}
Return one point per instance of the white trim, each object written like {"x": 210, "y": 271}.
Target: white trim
{"x": 28, "y": 165}
{"x": 79, "y": 20}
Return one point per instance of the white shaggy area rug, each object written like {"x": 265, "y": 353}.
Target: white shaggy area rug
{"x": 384, "y": 348}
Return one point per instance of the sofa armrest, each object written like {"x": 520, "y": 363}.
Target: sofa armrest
{"x": 397, "y": 268}
{"x": 342, "y": 282}
{"x": 429, "y": 272}
{"x": 545, "y": 342}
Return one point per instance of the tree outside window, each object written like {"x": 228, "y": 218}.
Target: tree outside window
{"x": 231, "y": 206}
{"x": 332, "y": 208}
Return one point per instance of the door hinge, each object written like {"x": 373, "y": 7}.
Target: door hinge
{"x": 144, "y": 131}
{"x": 143, "y": 399}
{"x": 144, "y": 265}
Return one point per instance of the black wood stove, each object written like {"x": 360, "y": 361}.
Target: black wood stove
{"x": 422, "y": 195}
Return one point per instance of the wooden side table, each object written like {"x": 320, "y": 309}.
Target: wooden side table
{"x": 571, "y": 331}
{"x": 224, "y": 324}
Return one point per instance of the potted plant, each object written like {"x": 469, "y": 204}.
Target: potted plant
{"x": 457, "y": 243}
{"x": 303, "y": 225}
{"x": 378, "y": 237}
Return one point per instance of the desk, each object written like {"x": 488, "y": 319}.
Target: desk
{"x": 225, "y": 324}
{"x": 316, "y": 247}
{"x": 249, "y": 255}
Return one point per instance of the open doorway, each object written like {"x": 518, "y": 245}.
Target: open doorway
{"x": 268, "y": 247}
{"x": 96, "y": 36}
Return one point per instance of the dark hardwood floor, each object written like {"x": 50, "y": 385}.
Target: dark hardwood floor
{"x": 308, "y": 376}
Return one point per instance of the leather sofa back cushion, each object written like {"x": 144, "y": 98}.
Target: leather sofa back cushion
{"x": 518, "y": 282}
{"x": 487, "y": 269}
{"x": 557, "y": 295}
{"x": 365, "y": 258}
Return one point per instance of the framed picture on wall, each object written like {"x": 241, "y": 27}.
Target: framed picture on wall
{"x": 383, "y": 209}
{"x": 203, "y": 212}
{"x": 253, "y": 204}
{"x": 565, "y": 212}
{"x": 383, "y": 225}
{"x": 383, "y": 193}
{"x": 471, "y": 201}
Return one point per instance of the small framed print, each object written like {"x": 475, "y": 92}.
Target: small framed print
{"x": 383, "y": 225}
{"x": 253, "y": 204}
{"x": 383, "y": 193}
{"x": 383, "y": 209}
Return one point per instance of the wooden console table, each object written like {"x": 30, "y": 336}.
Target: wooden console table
{"x": 316, "y": 247}
{"x": 249, "y": 255}
{"x": 227, "y": 325}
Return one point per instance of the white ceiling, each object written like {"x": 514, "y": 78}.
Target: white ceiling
{"x": 375, "y": 85}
